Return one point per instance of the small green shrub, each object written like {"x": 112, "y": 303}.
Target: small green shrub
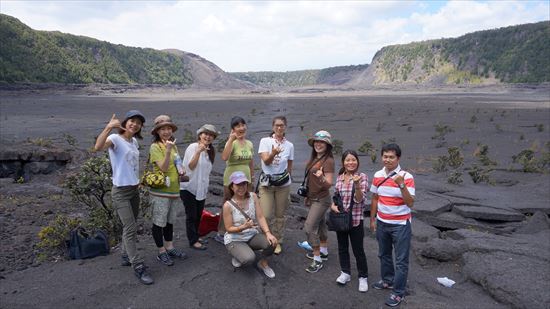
{"x": 481, "y": 153}
{"x": 473, "y": 119}
{"x": 53, "y": 237}
{"x": 188, "y": 136}
{"x": 221, "y": 144}
{"x": 337, "y": 146}
{"x": 40, "y": 141}
{"x": 540, "y": 127}
{"x": 479, "y": 175}
{"x": 455, "y": 178}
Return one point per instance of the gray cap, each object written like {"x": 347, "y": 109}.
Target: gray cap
{"x": 209, "y": 128}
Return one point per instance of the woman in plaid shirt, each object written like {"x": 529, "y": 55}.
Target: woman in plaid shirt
{"x": 348, "y": 179}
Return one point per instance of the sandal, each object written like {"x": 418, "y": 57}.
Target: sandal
{"x": 203, "y": 241}
{"x": 201, "y": 247}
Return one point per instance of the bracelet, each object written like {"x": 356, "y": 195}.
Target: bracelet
{"x": 268, "y": 231}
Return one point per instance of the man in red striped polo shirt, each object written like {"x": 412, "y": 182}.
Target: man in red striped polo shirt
{"x": 393, "y": 197}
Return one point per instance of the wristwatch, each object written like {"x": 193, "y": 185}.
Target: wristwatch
{"x": 401, "y": 186}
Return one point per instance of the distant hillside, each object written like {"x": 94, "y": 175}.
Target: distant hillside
{"x": 517, "y": 54}
{"x": 329, "y": 76}
{"x": 206, "y": 74}
{"x": 27, "y": 55}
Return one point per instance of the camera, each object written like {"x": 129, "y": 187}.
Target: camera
{"x": 302, "y": 191}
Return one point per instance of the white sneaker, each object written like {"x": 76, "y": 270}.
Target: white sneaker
{"x": 268, "y": 271}
{"x": 343, "y": 278}
{"x": 363, "y": 285}
{"x": 236, "y": 263}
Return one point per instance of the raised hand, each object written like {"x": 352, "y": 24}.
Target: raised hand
{"x": 356, "y": 179}
{"x": 233, "y": 135}
{"x": 202, "y": 147}
{"x": 319, "y": 172}
{"x": 276, "y": 150}
{"x": 115, "y": 123}
{"x": 170, "y": 144}
{"x": 398, "y": 179}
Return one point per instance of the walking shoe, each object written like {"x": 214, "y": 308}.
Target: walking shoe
{"x": 305, "y": 245}
{"x": 381, "y": 285}
{"x": 177, "y": 253}
{"x": 165, "y": 259}
{"x": 363, "y": 284}
{"x": 268, "y": 271}
{"x": 140, "y": 270}
{"x": 343, "y": 278}
{"x": 394, "y": 300}
{"x": 125, "y": 260}
{"x": 314, "y": 267}
{"x": 278, "y": 249}
{"x": 236, "y": 263}
{"x": 219, "y": 238}
{"x": 324, "y": 257}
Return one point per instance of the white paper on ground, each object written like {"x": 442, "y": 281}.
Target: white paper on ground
{"x": 446, "y": 281}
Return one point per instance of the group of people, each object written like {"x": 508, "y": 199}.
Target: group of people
{"x": 252, "y": 221}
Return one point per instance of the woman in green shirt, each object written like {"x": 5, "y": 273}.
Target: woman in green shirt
{"x": 165, "y": 202}
{"x": 238, "y": 155}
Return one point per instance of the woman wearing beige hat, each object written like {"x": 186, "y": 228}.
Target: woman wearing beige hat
{"x": 165, "y": 201}
{"x": 197, "y": 161}
{"x": 319, "y": 176}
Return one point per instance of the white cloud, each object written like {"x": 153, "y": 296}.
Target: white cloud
{"x": 253, "y": 36}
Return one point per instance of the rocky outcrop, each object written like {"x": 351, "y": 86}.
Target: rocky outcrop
{"x": 28, "y": 160}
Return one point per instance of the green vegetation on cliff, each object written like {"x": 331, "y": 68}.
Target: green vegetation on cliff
{"x": 27, "y": 55}
{"x": 516, "y": 54}
{"x": 333, "y": 76}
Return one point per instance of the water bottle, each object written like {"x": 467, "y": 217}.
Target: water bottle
{"x": 179, "y": 164}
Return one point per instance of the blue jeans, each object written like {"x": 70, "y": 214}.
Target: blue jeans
{"x": 394, "y": 237}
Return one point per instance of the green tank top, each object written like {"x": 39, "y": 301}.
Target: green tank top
{"x": 239, "y": 160}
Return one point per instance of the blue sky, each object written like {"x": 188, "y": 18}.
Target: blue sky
{"x": 274, "y": 36}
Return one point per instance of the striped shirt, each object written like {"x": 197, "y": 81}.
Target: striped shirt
{"x": 391, "y": 207}
{"x": 345, "y": 190}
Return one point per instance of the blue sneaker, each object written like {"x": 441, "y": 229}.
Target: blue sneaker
{"x": 305, "y": 245}
{"x": 394, "y": 300}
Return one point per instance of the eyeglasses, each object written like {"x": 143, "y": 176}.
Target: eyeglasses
{"x": 280, "y": 125}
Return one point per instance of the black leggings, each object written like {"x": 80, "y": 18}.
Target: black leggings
{"x": 159, "y": 232}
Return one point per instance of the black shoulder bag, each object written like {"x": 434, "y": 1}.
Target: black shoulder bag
{"x": 341, "y": 221}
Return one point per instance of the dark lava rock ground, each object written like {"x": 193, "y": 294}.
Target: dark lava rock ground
{"x": 491, "y": 238}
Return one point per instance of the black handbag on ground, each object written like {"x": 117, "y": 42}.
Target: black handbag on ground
{"x": 341, "y": 221}
{"x": 82, "y": 245}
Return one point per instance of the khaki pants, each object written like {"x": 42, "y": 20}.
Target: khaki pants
{"x": 274, "y": 202}
{"x": 244, "y": 251}
{"x": 126, "y": 204}
{"x": 315, "y": 226}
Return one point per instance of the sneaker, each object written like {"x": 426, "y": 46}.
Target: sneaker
{"x": 268, "y": 271}
{"x": 165, "y": 259}
{"x": 125, "y": 260}
{"x": 140, "y": 270}
{"x": 363, "y": 285}
{"x": 314, "y": 267}
{"x": 236, "y": 263}
{"x": 381, "y": 285}
{"x": 219, "y": 238}
{"x": 305, "y": 245}
{"x": 324, "y": 257}
{"x": 343, "y": 278}
{"x": 177, "y": 253}
{"x": 394, "y": 300}
{"x": 278, "y": 249}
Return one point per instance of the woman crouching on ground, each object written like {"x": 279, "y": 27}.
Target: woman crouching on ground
{"x": 350, "y": 180}
{"x": 124, "y": 156}
{"x": 319, "y": 174}
{"x": 165, "y": 202}
{"x": 197, "y": 161}
{"x": 238, "y": 154}
{"x": 242, "y": 215}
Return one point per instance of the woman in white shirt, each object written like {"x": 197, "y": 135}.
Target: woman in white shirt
{"x": 277, "y": 155}
{"x": 197, "y": 161}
